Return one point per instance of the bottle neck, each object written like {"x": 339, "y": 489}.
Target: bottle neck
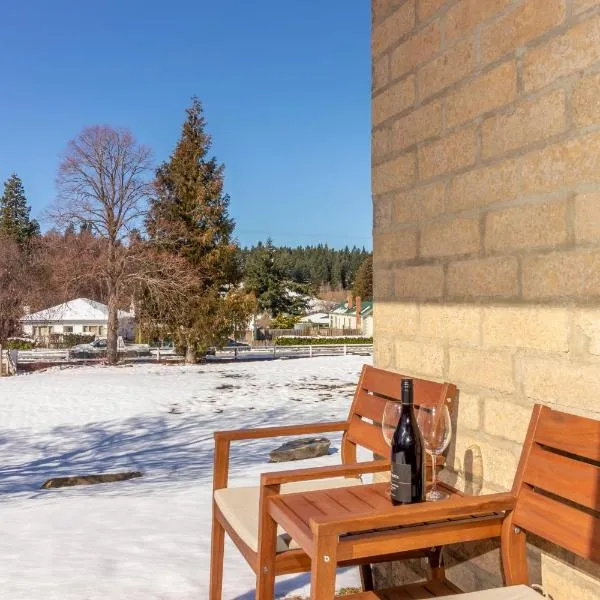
{"x": 407, "y": 392}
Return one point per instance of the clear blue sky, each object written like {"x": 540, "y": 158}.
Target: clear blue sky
{"x": 285, "y": 85}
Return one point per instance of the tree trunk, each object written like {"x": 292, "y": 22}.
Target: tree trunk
{"x": 113, "y": 325}
{"x": 190, "y": 353}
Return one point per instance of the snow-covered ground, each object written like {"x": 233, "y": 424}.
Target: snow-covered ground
{"x": 147, "y": 538}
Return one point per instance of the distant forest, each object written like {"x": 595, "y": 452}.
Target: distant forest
{"x": 320, "y": 266}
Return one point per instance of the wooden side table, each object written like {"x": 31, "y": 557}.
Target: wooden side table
{"x": 359, "y": 523}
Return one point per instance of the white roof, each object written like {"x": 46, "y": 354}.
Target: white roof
{"x": 80, "y": 309}
{"x": 319, "y": 318}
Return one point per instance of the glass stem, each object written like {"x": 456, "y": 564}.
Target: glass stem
{"x": 433, "y": 472}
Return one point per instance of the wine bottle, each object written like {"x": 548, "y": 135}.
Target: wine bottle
{"x": 408, "y": 456}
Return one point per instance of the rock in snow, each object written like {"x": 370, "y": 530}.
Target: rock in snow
{"x": 58, "y": 482}
{"x": 300, "y": 449}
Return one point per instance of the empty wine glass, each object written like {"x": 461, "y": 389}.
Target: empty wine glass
{"x": 436, "y": 428}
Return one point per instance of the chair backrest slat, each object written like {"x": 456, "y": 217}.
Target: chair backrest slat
{"x": 569, "y": 433}
{"x": 564, "y": 477}
{"x": 558, "y": 482}
{"x": 365, "y": 434}
{"x": 558, "y": 523}
{"x": 375, "y": 388}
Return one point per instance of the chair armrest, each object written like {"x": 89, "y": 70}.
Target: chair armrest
{"x": 268, "y": 432}
{"x": 313, "y": 473}
{"x": 223, "y": 440}
{"x": 425, "y": 512}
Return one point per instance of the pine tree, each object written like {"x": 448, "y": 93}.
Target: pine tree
{"x": 363, "y": 282}
{"x": 266, "y": 278}
{"x": 15, "y": 223}
{"x": 189, "y": 218}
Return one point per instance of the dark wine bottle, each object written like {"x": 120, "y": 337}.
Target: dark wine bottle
{"x": 408, "y": 454}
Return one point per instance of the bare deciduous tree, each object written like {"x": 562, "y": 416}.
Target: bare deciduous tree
{"x": 103, "y": 185}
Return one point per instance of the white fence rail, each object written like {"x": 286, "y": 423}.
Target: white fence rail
{"x": 42, "y": 355}
{"x": 62, "y": 356}
{"x": 304, "y": 350}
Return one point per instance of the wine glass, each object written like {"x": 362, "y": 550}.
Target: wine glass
{"x": 389, "y": 421}
{"x": 436, "y": 428}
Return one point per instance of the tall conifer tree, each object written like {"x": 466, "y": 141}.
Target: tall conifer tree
{"x": 15, "y": 222}
{"x": 189, "y": 217}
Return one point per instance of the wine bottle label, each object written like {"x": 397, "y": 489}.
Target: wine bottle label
{"x": 401, "y": 483}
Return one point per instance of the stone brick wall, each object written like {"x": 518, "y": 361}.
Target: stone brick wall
{"x": 486, "y": 204}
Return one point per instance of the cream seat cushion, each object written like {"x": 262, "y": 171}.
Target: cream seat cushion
{"x": 515, "y": 592}
{"x": 240, "y": 507}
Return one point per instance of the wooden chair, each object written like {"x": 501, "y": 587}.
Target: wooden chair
{"x": 240, "y": 512}
{"x": 555, "y": 495}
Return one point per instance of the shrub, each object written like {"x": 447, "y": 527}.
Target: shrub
{"x": 18, "y": 344}
{"x": 293, "y": 340}
{"x": 73, "y": 339}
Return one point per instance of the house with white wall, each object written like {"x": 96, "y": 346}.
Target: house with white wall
{"x": 80, "y": 316}
{"x": 354, "y": 314}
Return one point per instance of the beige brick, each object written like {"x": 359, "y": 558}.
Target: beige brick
{"x": 481, "y": 187}
{"x": 415, "y": 50}
{"x": 491, "y": 370}
{"x": 421, "y": 358}
{"x": 586, "y": 324}
{"x": 562, "y": 55}
{"x": 587, "y": 217}
{"x": 422, "y": 282}
{"x": 398, "y": 24}
{"x": 562, "y": 275}
{"x": 397, "y": 318}
{"x": 483, "y": 278}
{"x": 580, "y": 5}
{"x": 383, "y": 283}
{"x": 380, "y": 71}
{"x": 487, "y": 92}
{"x": 536, "y": 327}
{"x": 419, "y": 125}
{"x": 463, "y": 17}
{"x": 380, "y": 143}
{"x": 561, "y": 382}
{"x": 388, "y": 247}
{"x": 495, "y": 461}
{"x": 527, "y": 123}
{"x": 585, "y": 101}
{"x": 452, "y": 322}
{"x": 524, "y": 23}
{"x": 505, "y": 419}
{"x": 449, "y": 238}
{"x": 566, "y": 583}
{"x": 394, "y": 174}
{"x": 469, "y": 411}
{"x": 525, "y": 227}
{"x": 383, "y": 352}
{"x": 452, "y": 152}
{"x": 499, "y": 463}
{"x": 382, "y": 214}
{"x": 450, "y": 67}
{"x": 426, "y": 8}
{"x": 419, "y": 204}
{"x": 380, "y": 9}
{"x": 394, "y": 100}
{"x": 569, "y": 163}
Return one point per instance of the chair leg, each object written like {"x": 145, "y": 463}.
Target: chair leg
{"x": 436, "y": 563}
{"x": 366, "y": 578}
{"x": 265, "y": 577}
{"x": 217, "y": 549}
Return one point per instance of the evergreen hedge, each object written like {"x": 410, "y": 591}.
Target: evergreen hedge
{"x": 321, "y": 341}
